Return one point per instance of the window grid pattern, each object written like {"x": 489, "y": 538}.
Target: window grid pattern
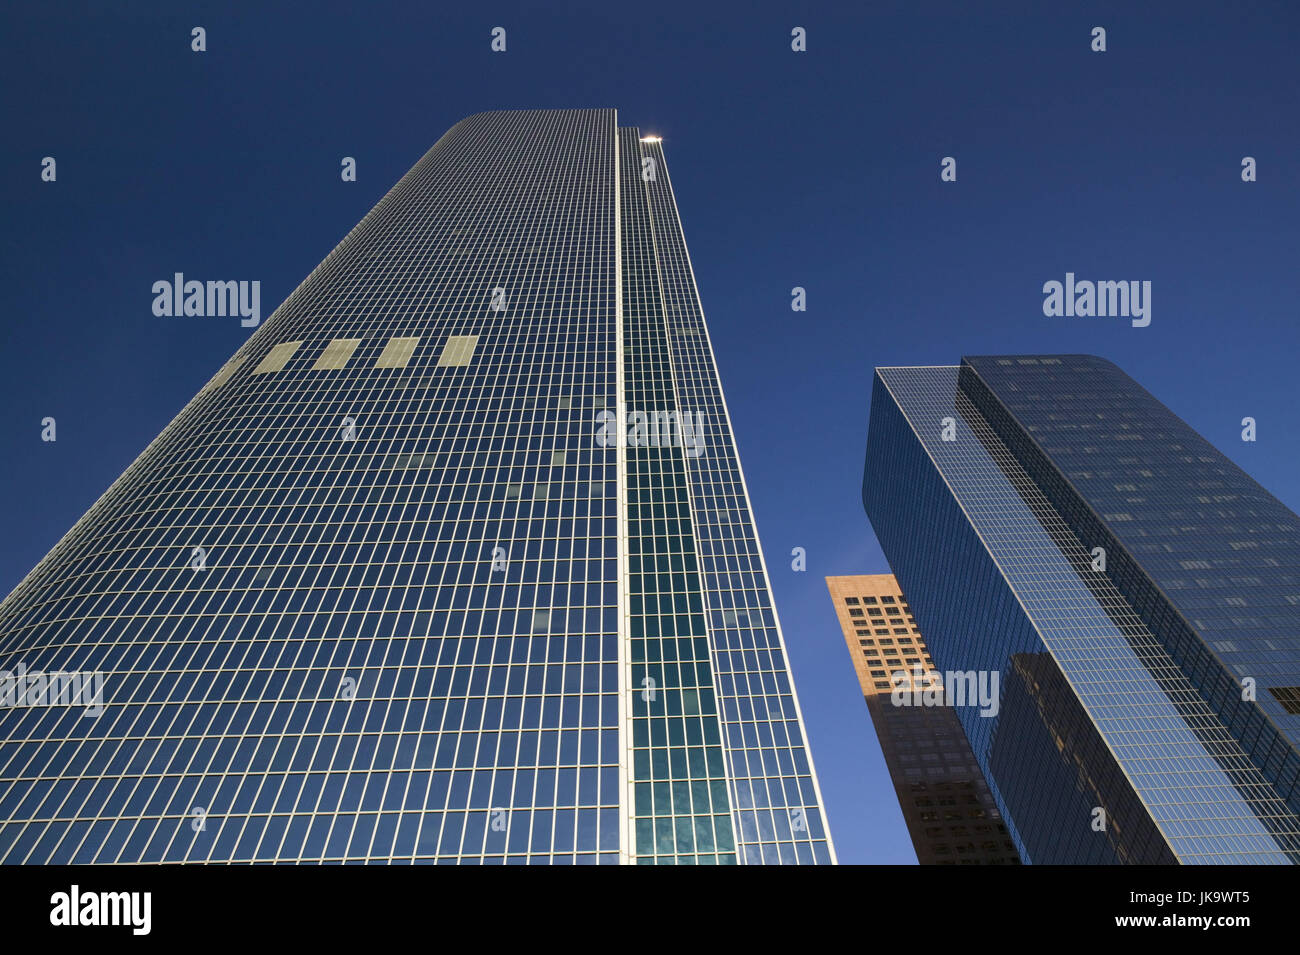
{"x": 775, "y": 794}
{"x": 360, "y": 609}
{"x": 1211, "y": 804}
{"x": 681, "y": 812}
{"x": 376, "y": 662}
{"x": 1207, "y": 557}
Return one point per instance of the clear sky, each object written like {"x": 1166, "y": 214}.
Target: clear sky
{"x": 818, "y": 169}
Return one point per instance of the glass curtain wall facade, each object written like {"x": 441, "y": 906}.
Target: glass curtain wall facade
{"x": 397, "y": 585}
{"x": 1135, "y": 591}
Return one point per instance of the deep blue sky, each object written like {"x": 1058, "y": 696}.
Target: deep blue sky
{"x": 818, "y": 169}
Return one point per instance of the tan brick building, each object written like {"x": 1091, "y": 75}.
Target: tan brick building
{"x": 949, "y": 811}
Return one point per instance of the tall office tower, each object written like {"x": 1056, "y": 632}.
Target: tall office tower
{"x": 949, "y": 810}
{"x": 453, "y": 561}
{"x": 1137, "y": 594}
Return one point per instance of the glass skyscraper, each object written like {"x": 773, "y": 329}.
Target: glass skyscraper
{"x": 453, "y": 561}
{"x": 1137, "y": 594}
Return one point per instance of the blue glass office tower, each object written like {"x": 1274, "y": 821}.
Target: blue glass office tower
{"x": 452, "y": 562}
{"x": 1137, "y": 594}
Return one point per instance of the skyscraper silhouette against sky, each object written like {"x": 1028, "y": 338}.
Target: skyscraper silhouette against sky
{"x": 452, "y": 561}
{"x": 1137, "y": 593}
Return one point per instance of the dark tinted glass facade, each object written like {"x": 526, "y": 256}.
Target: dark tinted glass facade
{"x": 398, "y": 584}
{"x": 1134, "y": 590}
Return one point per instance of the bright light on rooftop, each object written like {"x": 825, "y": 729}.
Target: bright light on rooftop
{"x": 651, "y": 139}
